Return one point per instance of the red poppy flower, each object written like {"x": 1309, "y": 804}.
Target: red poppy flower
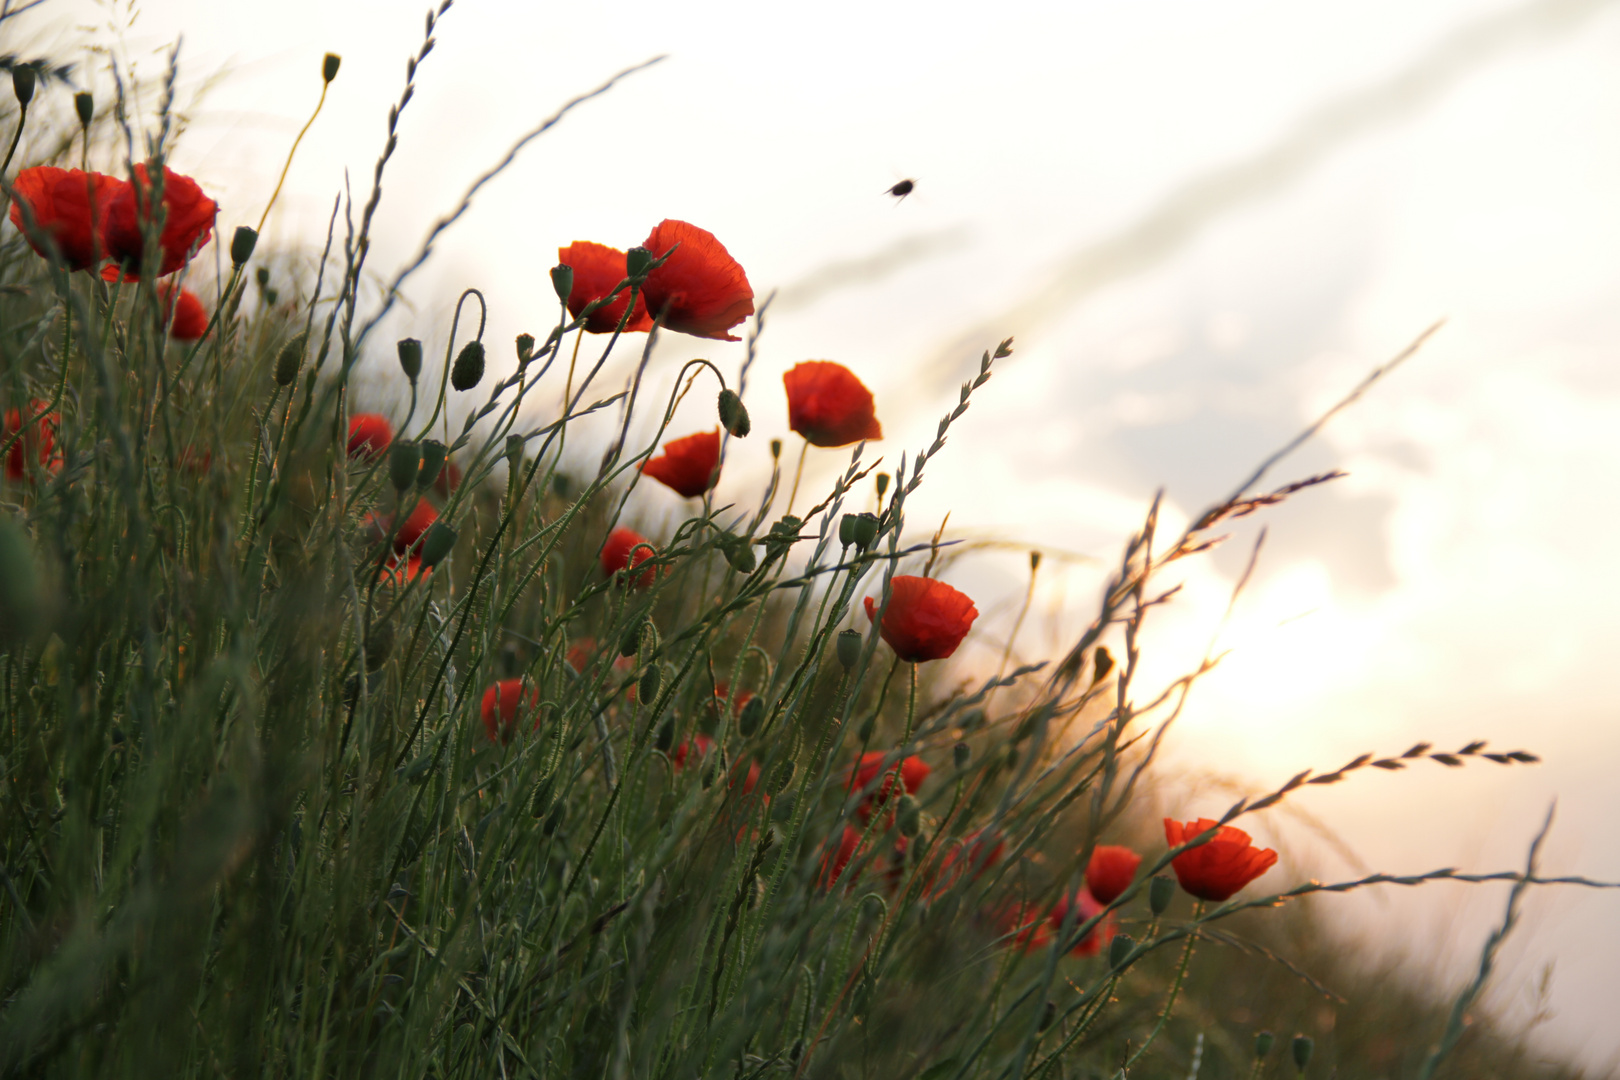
{"x": 400, "y": 569}
{"x": 688, "y": 466}
{"x": 1088, "y": 907}
{"x": 597, "y": 269}
{"x": 834, "y": 862}
{"x": 369, "y": 435}
{"x": 499, "y": 710}
{"x": 416, "y": 523}
{"x": 974, "y": 853}
{"x": 701, "y": 744}
{"x": 448, "y": 480}
{"x": 188, "y": 223}
{"x": 1219, "y": 868}
{"x": 38, "y": 442}
{"x": 71, "y": 207}
{"x": 1111, "y": 871}
{"x": 190, "y": 319}
{"x": 616, "y": 555}
{"x": 828, "y": 405}
{"x": 701, "y": 290}
{"x": 913, "y": 771}
{"x": 925, "y": 620}
{"x": 1030, "y": 928}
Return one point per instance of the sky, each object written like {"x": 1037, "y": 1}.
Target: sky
{"x": 1204, "y": 223}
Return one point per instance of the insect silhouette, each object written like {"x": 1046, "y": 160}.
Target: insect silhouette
{"x": 902, "y": 189}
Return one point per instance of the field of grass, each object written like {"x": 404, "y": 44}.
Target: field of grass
{"x": 343, "y": 745}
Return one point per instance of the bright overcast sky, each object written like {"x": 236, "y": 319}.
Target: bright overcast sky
{"x": 1203, "y": 222}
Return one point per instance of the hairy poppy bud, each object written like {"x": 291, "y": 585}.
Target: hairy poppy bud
{"x": 1104, "y": 662}
{"x": 781, "y": 777}
{"x": 85, "y": 106}
{"x": 514, "y": 452}
{"x": 262, "y": 276}
{"x": 910, "y": 816}
{"x": 1119, "y": 949}
{"x": 558, "y": 815}
{"x": 290, "y": 359}
{"x": 562, "y": 279}
{"x": 1262, "y": 1045}
{"x": 752, "y": 715}
{"x": 652, "y": 681}
{"x": 783, "y": 810}
{"x": 468, "y": 371}
{"x": 329, "y": 66}
{"x": 776, "y": 449}
{"x": 1160, "y": 890}
{"x": 404, "y": 464}
{"x": 961, "y": 753}
{"x": 243, "y": 242}
{"x": 410, "y": 357}
{"x": 734, "y": 415}
{"x": 525, "y": 348}
{"x": 433, "y": 454}
{"x": 630, "y": 644}
{"x": 22, "y": 82}
{"x": 665, "y": 739}
{"x": 636, "y": 261}
{"x": 1303, "y": 1046}
{"x": 437, "y": 544}
{"x": 882, "y": 483}
{"x": 849, "y": 648}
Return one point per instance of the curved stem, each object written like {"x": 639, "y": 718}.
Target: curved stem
{"x": 22, "y": 118}
{"x": 283, "y": 178}
{"x": 797, "y": 474}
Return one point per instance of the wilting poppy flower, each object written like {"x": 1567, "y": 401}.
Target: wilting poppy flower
{"x": 828, "y": 405}
{"x": 701, "y": 290}
{"x": 616, "y": 555}
{"x": 188, "y": 222}
{"x": 38, "y": 442}
{"x": 71, "y": 207}
{"x": 1087, "y": 906}
{"x": 689, "y": 466}
{"x": 499, "y": 710}
{"x": 369, "y": 434}
{"x": 597, "y": 269}
{"x": 1219, "y": 868}
{"x": 1110, "y": 871}
{"x": 925, "y": 619}
{"x": 913, "y": 771}
{"x": 701, "y": 744}
{"x": 190, "y": 320}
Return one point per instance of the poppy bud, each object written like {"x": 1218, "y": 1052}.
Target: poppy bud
{"x": 562, "y": 279}
{"x": 404, "y": 464}
{"x": 555, "y": 819}
{"x": 665, "y": 737}
{"x": 22, "y": 82}
{"x": 85, "y": 106}
{"x": 882, "y": 483}
{"x": 525, "y": 348}
{"x": 437, "y": 544}
{"x": 849, "y": 648}
{"x": 468, "y": 371}
{"x": 243, "y": 242}
{"x": 329, "y": 66}
{"x": 782, "y": 536}
{"x": 290, "y": 359}
{"x": 630, "y": 644}
{"x": 734, "y": 415}
{"x": 776, "y": 449}
{"x": 433, "y": 454}
{"x": 1104, "y": 662}
{"x": 1262, "y": 1045}
{"x": 1303, "y": 1045}
{"x": 910, "y": 816}
{"x": 410, "y": 357}
{"x": 961, "y": 753}
{"x": 636, "y": 261}
{"x": 514, "y": 452}
{"x": 863, "y": 734}
{"x": 1119, "y": 949}
{"x": 1048, "y": 1014}
{"x": 262, "y": 276}
{"x": 752, "y": 715}
{"x": 783, "y": 810}
{"x": 1160, "y": 890}
{"x": 540, "y": 802}
{"x": 781, "y": 777}
{"x": 859, "y": 530}
{"x": 652, "y": 681}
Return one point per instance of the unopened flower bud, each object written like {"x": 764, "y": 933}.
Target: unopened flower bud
{"x": 652, "y": 681}
{"x": 781, "y": 777}
{"x": 514, "y": 452}
{"x": 1119, "y": 949}
{"x": 433, "y": 454}
{"x": 404, "y": 463}
{"x": 882, "y": 483}
{"x": 468, "y": 371}
{"x": 22, "y": 83}
{"x": 1262, "y": 1045}
{"x": 630, "y": 643}
{"x": 859, "y": 530}
{"x": 525, "y": 348}
{"x": 243, "y": 242}
{"x": 290, "y": 359}
{"x": 782, "y": 810}
{"x": 437, "y": 544}
{"x": 557, "y": 817}
{"x": 734, "y": 415}
{"x": 962, "y": 753}
{"x": 1303, "y": 1046}
{"x": 1160, "y": 891}
{"x": 262, "y": 276}
{"x": 910, "y": 816}
{"x": 776, "y": 449}
{"x": 410, "y": 357}
{"x": 636, "y": 261}
{"x": 665, "y": 738}
{"x": 849, "y": 648}
{"x": 1048, "y": 1014}
{"x": 329, "y": 66}
{"x": 1104, "y": 661}
{"x": 562, "y": 279}
{"x": 752, "y": 715}
{"x": 85, "y": 106}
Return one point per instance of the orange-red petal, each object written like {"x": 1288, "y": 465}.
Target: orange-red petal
{"x": 701, "y": 290}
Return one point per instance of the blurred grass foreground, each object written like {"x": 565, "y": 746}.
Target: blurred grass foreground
{"x": 338, "y": 743}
